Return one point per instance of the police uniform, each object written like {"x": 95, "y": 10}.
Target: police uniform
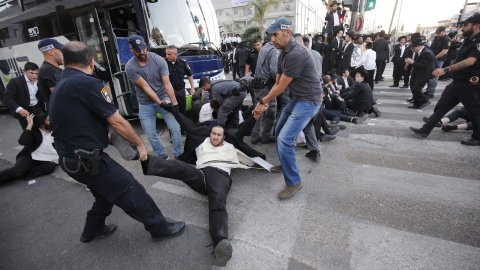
{"x": 461, "y": 90}
{"x": 438, "y": 44}
{"x": 179, "y": 70}
{"x": 79, "y": 107}
{"x": 230, "y": 95}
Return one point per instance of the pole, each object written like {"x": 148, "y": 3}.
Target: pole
{"x": 464, "y": 13}
{"x": 398, "y": 21}
{"x": 393, "y": 16}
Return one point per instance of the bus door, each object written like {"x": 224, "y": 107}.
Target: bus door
{"x": 93, "y": 29}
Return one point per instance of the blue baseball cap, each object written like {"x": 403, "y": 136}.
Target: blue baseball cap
{"x": 137, "y": 43}
{"x": 280, "y": 24}
{"x": 48, "y": 44}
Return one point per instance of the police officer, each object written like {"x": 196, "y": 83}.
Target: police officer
{"x": 295, "y": 70}
{"x": 80, "y": 111}
{"x": 179, "y": 69}
{"x": 230, "y": 95}
{"x": 50, "y": 71}
{"x": 439, "y": 47}
{"x": 263, "y": 81}
{"x": 252, "y": 57}
{"x": 463, "y": 89}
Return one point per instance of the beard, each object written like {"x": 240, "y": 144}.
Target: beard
{"x": 467, "y": 33}
{"x": 141, "y": 57}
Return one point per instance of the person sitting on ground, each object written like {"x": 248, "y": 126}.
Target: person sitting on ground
{"x": 453, "y": 116}
{"x": 345, "y": 82}
{"x": 335, "y": 108}
{"x": 208, "y": 113}
{"x": 360, "y": 99}
{"x": 38, "y": 157}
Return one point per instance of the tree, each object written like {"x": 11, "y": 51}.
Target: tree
{"x": 249, "y": 36}
{"x": 260, "y": 8}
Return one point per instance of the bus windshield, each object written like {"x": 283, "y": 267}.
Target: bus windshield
{"x": 181, "y": 22}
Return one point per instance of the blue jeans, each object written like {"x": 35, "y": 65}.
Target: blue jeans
{"x": 148, "y": 120}
{"x": 294, "y": 118}
{"x": 432, "y": 83}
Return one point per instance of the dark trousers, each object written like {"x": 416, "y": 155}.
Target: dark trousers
{"x": 416, "y": 86}
{"x": 454, "y": 93}
{"x": 27, "y": 168}
{"x": 336, "y": 116}
{"x": 116, "y": 186}
{"x": 238, "y": 71}
{"x": 406, "y": 75}
{"x": 182, "y": 101}
{"x": 320, "y": 123}
{"x": 380, "y": 69}
{"x": 369, "y": 78}
{"x": 196, "y": 135}
{"x": 398, "y": 72}
{"x": 209, "y": 181}
{"x": 460, "y": 113}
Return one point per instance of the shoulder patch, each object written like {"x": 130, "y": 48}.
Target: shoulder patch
{"x": 106, "y": 93}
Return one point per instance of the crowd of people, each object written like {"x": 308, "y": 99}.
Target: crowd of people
{"x": 296, "y": 83}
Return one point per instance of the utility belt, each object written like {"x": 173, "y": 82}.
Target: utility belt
{"x": 258, "y": 83}
{"x": 89, "y": 161}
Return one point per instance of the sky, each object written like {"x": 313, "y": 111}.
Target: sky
{"x": 413, "y": 12}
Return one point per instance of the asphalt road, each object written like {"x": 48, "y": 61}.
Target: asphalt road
{"x": 379, "y": 199}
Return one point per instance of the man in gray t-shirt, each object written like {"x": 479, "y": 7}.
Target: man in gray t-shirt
{"x": 295, "y": 70}
{"x": 149, "y": 73}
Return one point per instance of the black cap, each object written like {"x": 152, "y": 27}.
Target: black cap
{"x": 48, "y": 44}
{"x": 137, "y": 43}
{"x": 362, "y": 71}
{"x": 475, "y": 18}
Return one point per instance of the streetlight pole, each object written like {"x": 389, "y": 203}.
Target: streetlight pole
{"x": 464, "y": 13}
{"x": 393, "y": 16}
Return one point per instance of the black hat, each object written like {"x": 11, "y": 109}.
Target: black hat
{"x": 362, "y": 71}
{"x": 39, "y": 118}
{"x": 401, "y": 38}
{"x": 475, "y": 18}
{"x": 417, "y": 42}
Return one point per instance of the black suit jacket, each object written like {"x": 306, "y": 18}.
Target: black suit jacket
{"x": 31, "y": 140}
{"x": 380, "y": 46}
{"x": 423, "y": 65}
{"x": 341, "y": 82}
{"x": 397, "y": 50}
{"x": 240, "y": 56}
{"x": 362, "y": 94}
{"x": 17, "y": 95}
{"x": 347, "y": 55}
{"x": 330, "y": 20}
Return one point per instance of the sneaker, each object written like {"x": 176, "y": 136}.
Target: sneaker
{"x": 326, "y": 138}
{"x": 174, "y": 229}
{"x": 107, "y": 231}
{"x": 222, "y": 253}
{"x": 333, "y": 130}
{"x": 314, "y": 155}
{"x": 289, "y": 191}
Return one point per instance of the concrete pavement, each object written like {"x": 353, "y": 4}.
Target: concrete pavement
{"x": 379, "y": 199}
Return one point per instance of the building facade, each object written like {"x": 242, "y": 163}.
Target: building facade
{"x": 234, "y": 16}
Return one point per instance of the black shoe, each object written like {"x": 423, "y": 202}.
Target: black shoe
{"x": 326, "y": 137}
{"x": 429, "y": 96}
{"x": 423, "y": 105}
{"x": 174, "y": 229}
{"x": 376, "y": 111}
{"x": 393, "y": 85}
{"x": 449, "y": 127}
{"x": 222, "y": 253}
{"x": 471, "y": 142}
{"x": 410, "y": 100}
{"x": 313, "y": 155}
{"x": 333, "y": 130}
{"x": 340, "y": 127}
{"x": 268, "y": 140}
{"x": 419, "y": 132}
{"x": 404, "y": 86}
{"x": 255, "y": 140}
{"x": 376, "y": 82}
{"x": 107, "y": 231}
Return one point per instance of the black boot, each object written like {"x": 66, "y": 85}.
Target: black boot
{"x": 105, "y": 233}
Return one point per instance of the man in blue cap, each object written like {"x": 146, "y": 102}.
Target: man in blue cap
{"x": 295, "y": 70}
{"x": 149, "y": 72}
{"x": 50, "y": 71}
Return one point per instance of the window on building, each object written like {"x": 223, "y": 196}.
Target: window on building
{"x": 28, "y": 4}
{"x": 235, "y": 12}
{"x": 4, "y": 33}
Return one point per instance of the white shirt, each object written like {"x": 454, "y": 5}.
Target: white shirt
{"x": 368, "y": 59}
{"x": 205, "y": 113}
{"x": 345, "y": 80}
{"x": 336, "y": 19}
{"x": 32, "y": 91}
{"x": 402, "y": 50}
{"x": 45, "y": 152}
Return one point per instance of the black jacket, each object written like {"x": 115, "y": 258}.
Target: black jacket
{"x": 380, "y": 46}
{"x": 423, "y": 65}
{"x": 397, "y": 50}
{"x": 362, "y": 95}
{"x": 31, "y": 140}
{"x": 341, "y": 82}
{"x": 330, "y": 20}
{"x": 240, "y": 56}
{"x": 17, "y": 95}
{"x": 347, "y": 55}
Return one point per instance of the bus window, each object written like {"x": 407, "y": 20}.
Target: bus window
{"x": 8, "y": 8}
{"x": 124, "y": 21}
{"x": 87, "y": 32}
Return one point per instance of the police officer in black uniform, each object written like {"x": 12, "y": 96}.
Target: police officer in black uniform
{"x": 464, "y": 88}
{"x": 179, "y": 70}
{"x": 80, "y": 111}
